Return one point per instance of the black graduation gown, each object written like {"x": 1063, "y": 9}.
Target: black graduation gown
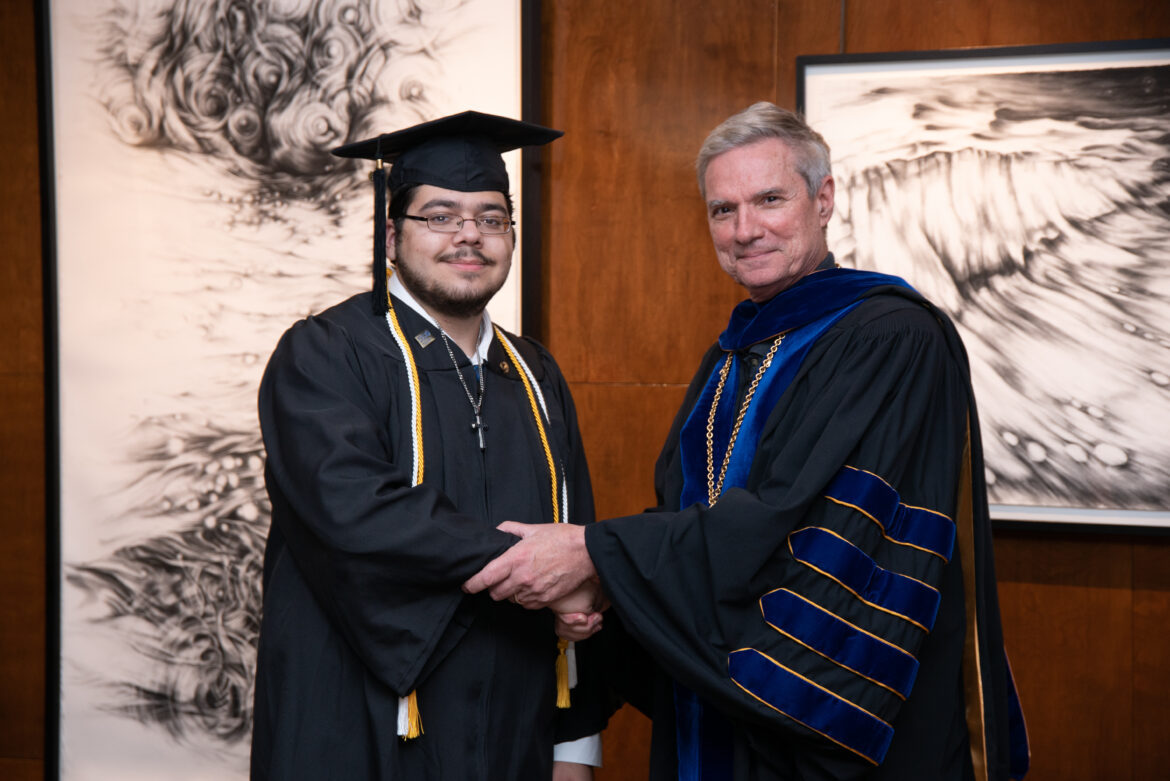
{"x": 362, "y": 599}
{"x": 886, "y": 389}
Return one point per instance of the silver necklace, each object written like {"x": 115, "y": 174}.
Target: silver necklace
{"x": 478, "y": 426}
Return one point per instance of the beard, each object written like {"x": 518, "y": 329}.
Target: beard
{"x": 434, "y": 296}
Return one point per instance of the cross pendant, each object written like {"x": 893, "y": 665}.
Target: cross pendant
{"x": 478, "y": 427}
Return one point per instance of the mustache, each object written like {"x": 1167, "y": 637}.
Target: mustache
{"x": 464, "y": 253}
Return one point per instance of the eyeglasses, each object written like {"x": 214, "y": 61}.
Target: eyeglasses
{"x": 488, "y": 224}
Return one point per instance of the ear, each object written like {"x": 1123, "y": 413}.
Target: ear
{"x": 390, "y": 234}
{"x": 824, "y": 200}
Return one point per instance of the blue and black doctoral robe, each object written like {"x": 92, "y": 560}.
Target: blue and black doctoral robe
{"x": 363, "y": 570}
{"x": 813, "y": 623}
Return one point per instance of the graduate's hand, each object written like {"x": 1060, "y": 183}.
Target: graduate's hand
{"x": 576, "y": 627}
{"x": 579, "y": 614}
{"x": 571, "y": 771}
{"x": 548, "y": 563}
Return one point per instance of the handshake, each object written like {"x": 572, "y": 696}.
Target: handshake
{"x": 549, "y": 567}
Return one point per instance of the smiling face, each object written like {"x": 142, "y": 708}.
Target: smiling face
{"x": 452, "y": 274}
{"x": 768, "y": 232}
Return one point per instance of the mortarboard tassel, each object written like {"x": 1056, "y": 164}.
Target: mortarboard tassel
{"x": 379, "y": 177}
{"x": 562, "y": 673}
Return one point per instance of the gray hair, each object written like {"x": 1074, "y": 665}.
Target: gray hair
{"x": 761, "y": 121}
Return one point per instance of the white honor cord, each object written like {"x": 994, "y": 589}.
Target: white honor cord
{"x": 415, "y": 406}
{"x": 524, "y": 368}
{"x": 403, "y": 716}
{"x": 571, "y": 656}
{"x": 412, "y": 384}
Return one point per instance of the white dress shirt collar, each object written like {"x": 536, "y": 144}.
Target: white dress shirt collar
{"x": 399, "y": 291}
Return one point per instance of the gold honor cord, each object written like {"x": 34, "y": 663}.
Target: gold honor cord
{"x": 528, "y": 385}
{"x": 562, "y": 664}
{"x": 409, "y": 719}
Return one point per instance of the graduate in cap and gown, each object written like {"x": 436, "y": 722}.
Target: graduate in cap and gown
{"x": 402, "y": 427}
{"x": 814, "y": 598}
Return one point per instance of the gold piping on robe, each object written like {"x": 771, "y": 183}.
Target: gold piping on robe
{"x": 972, "y": 667}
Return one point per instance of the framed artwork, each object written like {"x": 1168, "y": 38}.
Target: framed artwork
{"x": 1026, "y": 191}
{"x": 194, "y": 214}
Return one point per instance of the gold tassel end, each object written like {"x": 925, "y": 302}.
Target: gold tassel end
{"x": 562, "y": 674}
{"x": 414, "y": 720}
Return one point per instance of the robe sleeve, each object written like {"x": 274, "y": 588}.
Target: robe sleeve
{"x": 383, "y": 559}
{"x": 798, "y": 604}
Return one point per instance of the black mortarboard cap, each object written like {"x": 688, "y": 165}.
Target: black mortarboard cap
{"x": 461, "y": 152}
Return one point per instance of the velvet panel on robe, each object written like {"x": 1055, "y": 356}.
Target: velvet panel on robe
{"x": 362, "y": 598}
{"x": 886, "y": 391}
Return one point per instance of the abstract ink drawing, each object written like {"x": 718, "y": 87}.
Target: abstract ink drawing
{"x": 1033, "y": 205}
{"x": 265, "y": 89}
{"x": 199, "y": 213}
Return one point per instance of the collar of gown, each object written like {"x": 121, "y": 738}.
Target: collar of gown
{"x": 399, "y": 291}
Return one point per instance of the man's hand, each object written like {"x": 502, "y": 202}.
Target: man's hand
{"x": 548, "y": 563}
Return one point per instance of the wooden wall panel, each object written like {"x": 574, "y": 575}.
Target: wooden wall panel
{"x": 624, "y": 427}
{"x": 893, "y": 25}
{"x": 21, "y": 770}
{"x": 803, "y": 27}
{"x": 636, "y": 87}
{"x": 625, "y": 747}
{"x": 1151, "y": 657}
{"x": 22, "y": 573}
{"x": 22, "y": 459}
{"x": 20, "y": 273}
{"x": 1011, "y": 22}
{"x": 1067, "y": 607}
